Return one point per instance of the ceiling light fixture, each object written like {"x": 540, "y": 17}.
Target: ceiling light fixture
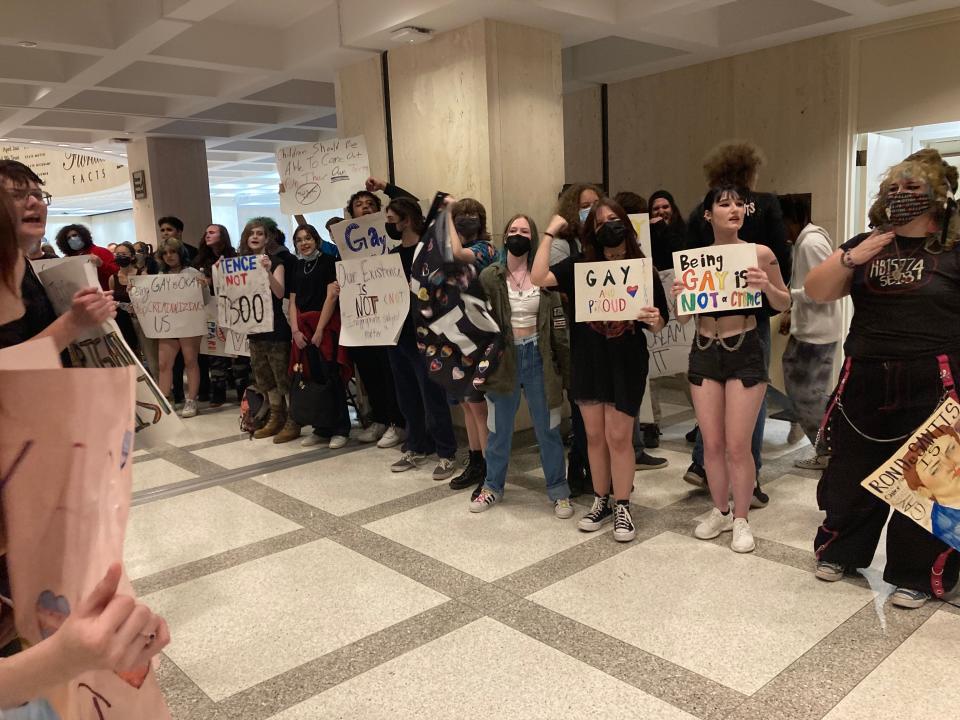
{"x": 411, "y": 35}
{"x": 28, "y": 43}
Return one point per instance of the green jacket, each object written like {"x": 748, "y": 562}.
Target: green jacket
{"x": 554, "y": 342}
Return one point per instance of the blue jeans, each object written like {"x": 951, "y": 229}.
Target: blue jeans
{"x": 500, "y": 421}
{"x": 33, "y": 710}
{"x": 756, "y": 442}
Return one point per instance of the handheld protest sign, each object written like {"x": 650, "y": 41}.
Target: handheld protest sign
{"x": 244, "y": 297}
{"x": 362, "y": 237}
{"x": 321, "y": 175}
{"x": 670, "y": 347}
{"x": 220, "y": 341}
{"x": 374, "y": 300}
{"x": 169, "y": 305}
{"x": 641, "y": 225}
{"x": 714, "y": 278}
{"x": 613, "y": 289}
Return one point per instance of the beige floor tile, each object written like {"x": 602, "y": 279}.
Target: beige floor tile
{"x": 157, "y": 473}
{"x": 676, "y": 432}
{"x": 181, "y": 529}
{"x": 243, "y": 625}
{"x": 351, "y": 482}
{"x": 513, "y": 534}
{"x": 920, "y": 679}
{"x": 518, "y": 678}
{"x": 737, "y": 619}
{"x": 775, "y": 443}
{"x": 250, "y": 452}
{"x": 792, "y": 518}
{"x": 210, "y": 425}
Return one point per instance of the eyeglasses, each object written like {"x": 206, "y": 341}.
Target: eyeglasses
{"x": 20, "y": 195}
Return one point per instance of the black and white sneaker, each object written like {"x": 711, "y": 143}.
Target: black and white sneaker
{"x": 600, "y": 514}
{"x": 760, "y": 499}
{"x": 623, "y": 529}
{"x": 643, "y": 461}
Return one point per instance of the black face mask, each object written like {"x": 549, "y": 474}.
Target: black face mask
{"x": 123, "y": 260}
{"x": 467, "y": 227}
{"x": 613, "y": 233}
{"x": 393, "y": 232}
{"x": 517, "y": 245}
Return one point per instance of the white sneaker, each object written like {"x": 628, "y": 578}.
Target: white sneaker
{"x": 392, "y": 437}
{"x": 189, "y": 409}
{"x": 337, "y": 442}
{"x": 372, "y": 433}
{"x": 312, "y": 440}
{"x": 563, "y": 508}
{"x": 742, "y": 541}
{"x": 715, "y": 524}
{"x": 484, "y": 501}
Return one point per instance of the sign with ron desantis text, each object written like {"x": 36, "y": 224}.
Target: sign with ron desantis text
{"x": 364, "y": 236}
{"x": 244, "y": 297}
{"x": 374, "y": 300}
{"x": 321, "y": 175}
{"x": 714, "y": 278}
{"x": 169, "y": 305}
{"x": 613, "y": 289}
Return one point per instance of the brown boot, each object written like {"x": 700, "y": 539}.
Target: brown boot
{"x": 290, "y": 432}
{"x": 278, "y": 416}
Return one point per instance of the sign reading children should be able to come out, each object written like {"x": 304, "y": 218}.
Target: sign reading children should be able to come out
{"x": 244, "y": 297}
{"x": 169, "y": 305}
{"x": 613, "y": 289}
{"x": 321, "y": 175}
{"x": 374, "y": 300}
{"x": 714, "y": 278}
{"x": 362, "y": 237}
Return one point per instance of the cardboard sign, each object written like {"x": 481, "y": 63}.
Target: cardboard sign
{"x": 169, "y": 305}
{"x": 321, "y": 175}
{"x": 244, "y": 297}
{"x": 921, "y": 480}
{"x": 669, "y": 348}
{"x": 362, "y": 237}
{"x": 156, "y": 421}
{"x": 613, "y": 289}
{"x": 220, "y": 341}
{"x": 715, "y": 278}
{"x": 374, "y": 300}
{"x": 641, "y": 225}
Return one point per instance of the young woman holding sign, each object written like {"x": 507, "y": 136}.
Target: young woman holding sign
{"x": 609, "y": 362}
{"x": 728, "y": 376}
{"x": 902, "y": 351}
{"x": 119, "y": 282}
{"x": 173, "y": 259}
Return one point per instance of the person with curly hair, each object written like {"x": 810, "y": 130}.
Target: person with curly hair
{"x": 573, "y": 205}
{"x": 902, "y": 355}
{"x": 76, "y": 241}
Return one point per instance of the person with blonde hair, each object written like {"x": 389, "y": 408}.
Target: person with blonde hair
{"x": 901, "y": 360}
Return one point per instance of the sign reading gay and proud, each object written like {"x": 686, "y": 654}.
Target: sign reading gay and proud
{"x": 244, "y": 297}
{"x": 715, "y": 278}
{"x": 169, "y": 305}
{"x": 374, "y": 300}
{"x": 321, "y": 175}
{"x": 613, "y": 289}
{"x": 362, "y": 237}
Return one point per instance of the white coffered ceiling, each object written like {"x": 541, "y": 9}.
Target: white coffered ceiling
{"x": 250, "y": 75}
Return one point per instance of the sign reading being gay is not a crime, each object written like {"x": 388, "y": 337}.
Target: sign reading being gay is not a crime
{"x": 715, "y": 278}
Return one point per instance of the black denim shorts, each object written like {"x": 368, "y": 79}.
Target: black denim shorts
{"x": 716, "y": 363}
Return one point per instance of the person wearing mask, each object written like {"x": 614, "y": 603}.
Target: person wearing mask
{"x": 738, "y": 165}
{"x": 814, "y": 328}
{"x": 728, "y": 376}
{"x": 76, "y": 241}
{"x": 270, "y": 351}
{"x": 901, "y": 361}
{"x": 146, "y": 262}
{"x": 172, "y": 259}
{"x": 422, "y": 401}
{"x": 315, "y": 321}
{"x": 609, "y": 363}
{"x": 535, "y": 358}
{"x": 124, "y": 256}
{"x": 89, "y": 308}
{"x": 216, "y": 244}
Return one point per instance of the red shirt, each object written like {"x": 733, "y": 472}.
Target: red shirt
{"x": 108, "y": 265}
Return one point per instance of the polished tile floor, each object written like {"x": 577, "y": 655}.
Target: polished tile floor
{"x": 302, "y": 584}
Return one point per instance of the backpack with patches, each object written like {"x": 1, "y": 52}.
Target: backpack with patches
{"x": 254, "y": 410}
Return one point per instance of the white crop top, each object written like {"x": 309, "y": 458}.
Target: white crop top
{"x": 524, "y": 305}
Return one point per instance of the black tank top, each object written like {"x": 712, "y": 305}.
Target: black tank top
{"x": 120, "y": 292}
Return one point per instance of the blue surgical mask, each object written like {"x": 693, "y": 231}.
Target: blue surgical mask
{"x": 75, "y": 242}
{"x": 584, "y": 212}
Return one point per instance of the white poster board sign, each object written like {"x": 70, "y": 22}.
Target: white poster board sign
{"x": 170, "y": 305}
{"x": 374, "y": 300}
{"x": 641, "y": 224}
{"x": 220, "y": 341}
{"x": 156, "y": 422}
{"x": 362, "y": 237}
{"x": 244, "y": 297}
{"x": 613, "y": 289}
{"x": 670, "y": 348}
{"x": 321, "y": 175}
{"x": 714, "y": 278}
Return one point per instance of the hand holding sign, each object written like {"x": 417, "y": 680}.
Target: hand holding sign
{"x": 244, "y": 297}
{"x": 362, "y": 237}
{"x": 374, "y": 300}
{"x": 321, "y": 175}
{"x": 717, "y": 278}
{"x": 614, "y": 290}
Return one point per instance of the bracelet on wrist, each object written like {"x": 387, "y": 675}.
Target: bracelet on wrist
{"x": 847, "y": 261}
{"x": 549, "y": 234}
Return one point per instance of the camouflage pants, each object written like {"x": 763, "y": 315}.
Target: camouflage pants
{"x": 270, "y": 360}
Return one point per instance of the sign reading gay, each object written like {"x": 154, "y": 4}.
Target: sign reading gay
{"x": 244, "y": 298}
{"x": 613, "y": 289}
{"x": 169, "y": 306}
{"x": 715, "y": 278}
{"x": 374, "y": 300}
{"x": 362, "y": 237}
{"x": 321, "y": 175}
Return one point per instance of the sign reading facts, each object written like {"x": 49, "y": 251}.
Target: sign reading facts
{"x": 613, "y": 289}
{"x": 169, "y": 305}
{"x": 321, "y": 175}
{"x": 362, "y": 237}
{"x": 244, "y": 297}
{"x": 69, "y": 173}
{"x": 374, "y": 300}
{"x": 715, "y": 278}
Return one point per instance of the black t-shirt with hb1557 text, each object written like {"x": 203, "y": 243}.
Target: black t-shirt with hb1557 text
{"x": 906, "y": 302}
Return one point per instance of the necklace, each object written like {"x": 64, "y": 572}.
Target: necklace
{"x": 519, "y": 285}
{"x": 896, "y": 272}
{"x": 310, "y": 265}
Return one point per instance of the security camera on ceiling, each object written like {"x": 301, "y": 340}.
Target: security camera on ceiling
{"x": 411, "y": 35}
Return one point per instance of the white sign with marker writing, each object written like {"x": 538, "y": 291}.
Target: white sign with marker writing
{"x": 321, "y": 175}
{"x": 362, "y": 237}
